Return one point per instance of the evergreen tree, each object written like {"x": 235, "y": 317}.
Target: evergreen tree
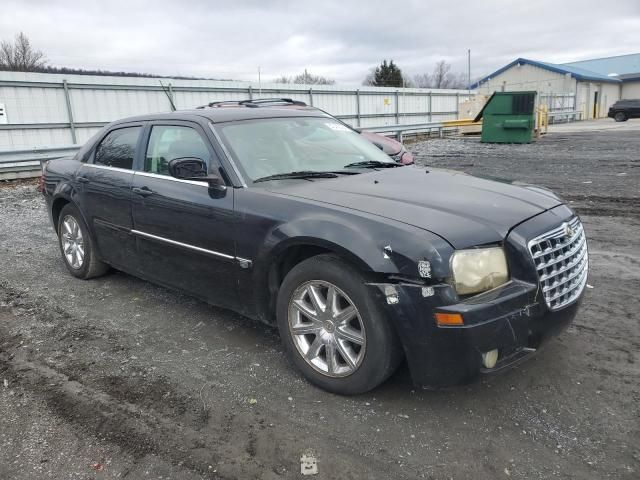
{"x": 386, "y": 75}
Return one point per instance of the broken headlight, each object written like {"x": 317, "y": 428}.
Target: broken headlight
{"x": 478, "y": 270}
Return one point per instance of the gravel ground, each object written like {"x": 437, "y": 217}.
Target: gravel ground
{"x": 115, "y": 377}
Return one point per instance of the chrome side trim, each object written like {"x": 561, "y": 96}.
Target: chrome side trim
{"x": 228, "y": 155}
{"x": 173, "y": 179}
{"x": 244, "y": 263}
{"x": 184, "y": 245}
{"x": 106, "y": 167}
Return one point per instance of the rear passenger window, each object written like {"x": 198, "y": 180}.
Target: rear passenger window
{"x": 169, "y": 142}
{"x": 118, "y": 148}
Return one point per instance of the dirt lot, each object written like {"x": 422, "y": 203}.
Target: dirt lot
{"x": 116, "y": 377}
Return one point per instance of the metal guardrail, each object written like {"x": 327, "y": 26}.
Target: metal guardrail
{"x": 576, "y": 114}
{"x": 25, "y": 163}
{"x": 439, "y": 127}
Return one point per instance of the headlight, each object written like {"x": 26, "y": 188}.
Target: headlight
{"x": 478, "y": 270}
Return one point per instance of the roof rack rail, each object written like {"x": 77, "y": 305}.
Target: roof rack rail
{"x": 220, "y": 104}
{"x": 272, "y": 101}
{"x": 258, "y": 102}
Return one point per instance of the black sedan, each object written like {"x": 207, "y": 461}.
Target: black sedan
{"x": 289, "y": 217}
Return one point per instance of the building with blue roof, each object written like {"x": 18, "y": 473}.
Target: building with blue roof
{"x": 591, "y": 86}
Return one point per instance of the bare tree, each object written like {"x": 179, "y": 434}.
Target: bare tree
{"x": 458, "y": 81}
{"x": 422, "y": 80}
{"x": 282, "y": 79}
{"x": 311, "y": 79}
{"x": 369, "y": 79}
{"x": 441, "y": 75}
{"x": 20, "y": 55}
{"x": 306, "y": 78}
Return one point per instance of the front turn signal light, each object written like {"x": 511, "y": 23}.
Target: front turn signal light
{"x": 446, "y": 319}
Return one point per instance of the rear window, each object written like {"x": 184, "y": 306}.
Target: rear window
{"x": 118, "y": 148}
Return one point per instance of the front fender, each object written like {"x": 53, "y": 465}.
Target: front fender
{"x": 375, "y": 245}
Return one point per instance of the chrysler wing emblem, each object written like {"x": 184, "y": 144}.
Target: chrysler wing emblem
{"x": 568, "y": 230}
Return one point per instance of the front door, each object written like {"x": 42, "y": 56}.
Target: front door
{"x": 185, "y": 235}
{"x": 104, "y": 191}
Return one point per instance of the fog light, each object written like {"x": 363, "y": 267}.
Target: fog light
{"x": 490, "y": 358}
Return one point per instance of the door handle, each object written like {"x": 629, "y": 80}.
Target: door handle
{"x": 142, "y": 191}
{"x": 83, "y": 179}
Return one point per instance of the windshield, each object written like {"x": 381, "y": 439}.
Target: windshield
{"x": 276, "y": 146}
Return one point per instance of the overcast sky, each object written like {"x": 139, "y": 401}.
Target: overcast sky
{"x": 339, "y": 39}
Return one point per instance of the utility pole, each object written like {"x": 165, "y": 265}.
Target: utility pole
{"x": 259, "y": 83}
{"x": 469, "y": 70}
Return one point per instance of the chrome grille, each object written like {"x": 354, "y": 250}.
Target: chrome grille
{"x": 562, "y": 262}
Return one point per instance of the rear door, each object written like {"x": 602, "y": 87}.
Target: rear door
{"x": 185, "y": 236}
{"x": 104, "y": 190}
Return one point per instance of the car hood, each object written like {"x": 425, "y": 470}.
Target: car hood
{"x": 464, "y": 210}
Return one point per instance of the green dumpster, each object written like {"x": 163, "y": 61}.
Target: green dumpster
{"x": 508, "y": 117}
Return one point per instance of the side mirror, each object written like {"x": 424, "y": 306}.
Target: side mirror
{"x": 191, "y": 168}
{"x": 187, "y": 168}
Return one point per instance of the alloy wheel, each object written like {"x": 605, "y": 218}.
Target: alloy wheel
{"x": 72, "y": 242}
{"x": 326, "y": 328}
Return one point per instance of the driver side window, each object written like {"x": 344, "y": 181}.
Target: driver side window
{"x": 169, "y": 142}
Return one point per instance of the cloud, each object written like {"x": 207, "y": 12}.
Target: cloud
{"x": 340, "y": 39}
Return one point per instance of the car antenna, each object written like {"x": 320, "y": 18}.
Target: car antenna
{"x": 168, "y": 94}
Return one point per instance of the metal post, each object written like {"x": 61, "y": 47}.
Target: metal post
{"x": 397, "y": 108}
{"x": 250, "y": 93}
{"x": 69, "y": 112}
{"x": 358, "y": 106}
{"x": 457, "y": 105}
{"x": 173, "y": 100}
{"x": 430, "y": 114}
{"x": 311, "y": 96}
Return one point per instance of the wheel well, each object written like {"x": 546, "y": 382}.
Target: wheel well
{"x": 283, "y": 264}
{"x": 56, "y": 208}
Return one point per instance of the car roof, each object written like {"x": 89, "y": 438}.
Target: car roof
{"x": 228, "y": 114}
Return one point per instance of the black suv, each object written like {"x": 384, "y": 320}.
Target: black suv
{"x": 290, "y": 217}
{"x": 623, "y": 110}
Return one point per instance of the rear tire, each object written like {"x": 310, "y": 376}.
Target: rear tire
{"x": 620, "y": 117}
{"x": 76, "y": 245}
{"x": 340, "y": 339}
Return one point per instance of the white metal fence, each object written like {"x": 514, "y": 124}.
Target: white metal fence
{"x": 54, "y": 109}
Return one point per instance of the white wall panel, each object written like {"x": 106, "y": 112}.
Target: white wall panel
{"x": 34, "y": 105}
{"x": 28, "y": 138}
{"x": 529, "y": 77}
{"x": 609, "y": 94}
{"x": 85, "y": 133}
{"x": 102, "y": 99}
{"x": 631, "y": 90}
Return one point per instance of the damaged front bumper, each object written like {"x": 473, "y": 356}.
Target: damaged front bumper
{"x": 511, "y": 318}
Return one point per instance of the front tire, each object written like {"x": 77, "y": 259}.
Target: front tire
{"x": 333, "y": 329}
{"x": 620, "y": 117}
{"x": 76, "y": 245}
